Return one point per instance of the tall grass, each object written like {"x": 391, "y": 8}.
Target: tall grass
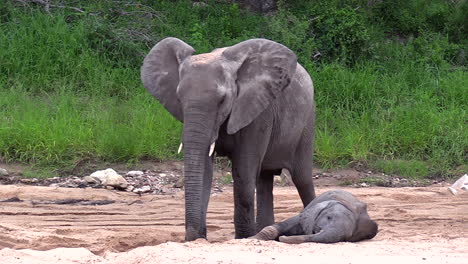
{"x": 65, "y": 128}
{"x": 365, "y": 115}
{"x": 70, "y": 87}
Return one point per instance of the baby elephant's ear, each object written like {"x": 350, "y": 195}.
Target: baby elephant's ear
{"x": 160, "y": 72}
{"x": 263, "y": 69}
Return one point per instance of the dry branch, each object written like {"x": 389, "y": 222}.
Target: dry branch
{"x": 46, "y": 4}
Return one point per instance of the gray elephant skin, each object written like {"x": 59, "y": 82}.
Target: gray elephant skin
{"x": 251, "y": 102}
{"x": 334, "y": 216}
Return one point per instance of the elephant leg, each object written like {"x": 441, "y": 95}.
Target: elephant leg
{"x": 289, "y": 227}
{"x": 244, "y": 194}
{"x": 301, "y": 172}
{"x": 294, "y": 239}
{"x": 265, "y": 216}
{"x": 329, "y": 236}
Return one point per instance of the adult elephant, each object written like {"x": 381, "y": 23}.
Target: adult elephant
{"x": 256, "y": 103}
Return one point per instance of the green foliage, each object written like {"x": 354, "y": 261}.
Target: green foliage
{"x": 45, "y": 54}
{"x": 342, "y": 34}
{"x": 390, "y": 82}
{"x": 413, "y": 17}
{"x": 66, "y": 128}
{"x": 411, "y": 169}
{"x": 363, "y": 115}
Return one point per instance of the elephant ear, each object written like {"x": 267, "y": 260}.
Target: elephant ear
{"x": 309, "y": 217}
{"x": 262, "y": 69}
{"x": 160, "y": 72}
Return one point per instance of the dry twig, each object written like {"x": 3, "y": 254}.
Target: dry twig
{"x": 47, "y": 5}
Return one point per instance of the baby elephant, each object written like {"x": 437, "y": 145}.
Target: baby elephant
{"x": 333, "y": 216}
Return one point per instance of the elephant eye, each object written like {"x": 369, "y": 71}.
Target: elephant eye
{"x": 329, "y": 217}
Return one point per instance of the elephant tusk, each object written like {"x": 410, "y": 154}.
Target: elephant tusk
{"x": 211, "y": 149}
{"x": 180, "y": 147}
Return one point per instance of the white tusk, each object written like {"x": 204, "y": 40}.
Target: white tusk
{"x": 180, "y": 147}
{"x": 211, "y": 149}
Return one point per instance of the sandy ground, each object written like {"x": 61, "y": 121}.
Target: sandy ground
{"x": 417, "y": 225}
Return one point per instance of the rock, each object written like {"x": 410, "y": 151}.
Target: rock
{"x": 162, "y": 174}
{"x": 71, "y": 185}
{"x": 179, "y": 183}
{"x": 110, "y": 178}
{"x": 26, "y": 180}
{"x": 91, "y": 180}
{"x": 4, "y": 172}
{"x": 135, "y": 173}
{"x": 130, "y": 188}
{"x": 143, "y": 189}
{"x": 277, "y": 179}
{"x": 364, "y": 184}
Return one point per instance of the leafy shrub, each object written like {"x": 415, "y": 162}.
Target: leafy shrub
{"x": 341, "y": 34}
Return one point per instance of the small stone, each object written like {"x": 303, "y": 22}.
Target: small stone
{"x": 135, "y": 173}
{"x": 179, "y": 183}
{"x": 364, "y": 184}
{"x": 54, "y": 185}
{"x": 369, "y": 172}
{"x": 110, "y": 188}
{"x": 162, "y": 174}
{"x": 130, "y": 188}
{"x": 4, "y": 172}
{"x": 26, "y": 180}
{"x": 277, "y": 179}
{"x": 143, "y": 189}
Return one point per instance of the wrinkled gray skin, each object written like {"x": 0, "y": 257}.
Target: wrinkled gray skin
{"x": 256, "y": 102}
{"x": 332, "y": 217}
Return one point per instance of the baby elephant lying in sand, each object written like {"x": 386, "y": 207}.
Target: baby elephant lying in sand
{"x": 332, "y": 217}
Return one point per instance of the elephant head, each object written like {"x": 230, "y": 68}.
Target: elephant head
{"x": 230, "y": 86}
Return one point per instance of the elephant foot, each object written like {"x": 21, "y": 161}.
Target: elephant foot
{"x": 267, "y": 233}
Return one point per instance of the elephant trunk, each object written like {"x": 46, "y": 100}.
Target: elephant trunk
{"x": 198, "y": 172}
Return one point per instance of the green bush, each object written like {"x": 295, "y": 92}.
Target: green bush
{"x": 341, "y": 34}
